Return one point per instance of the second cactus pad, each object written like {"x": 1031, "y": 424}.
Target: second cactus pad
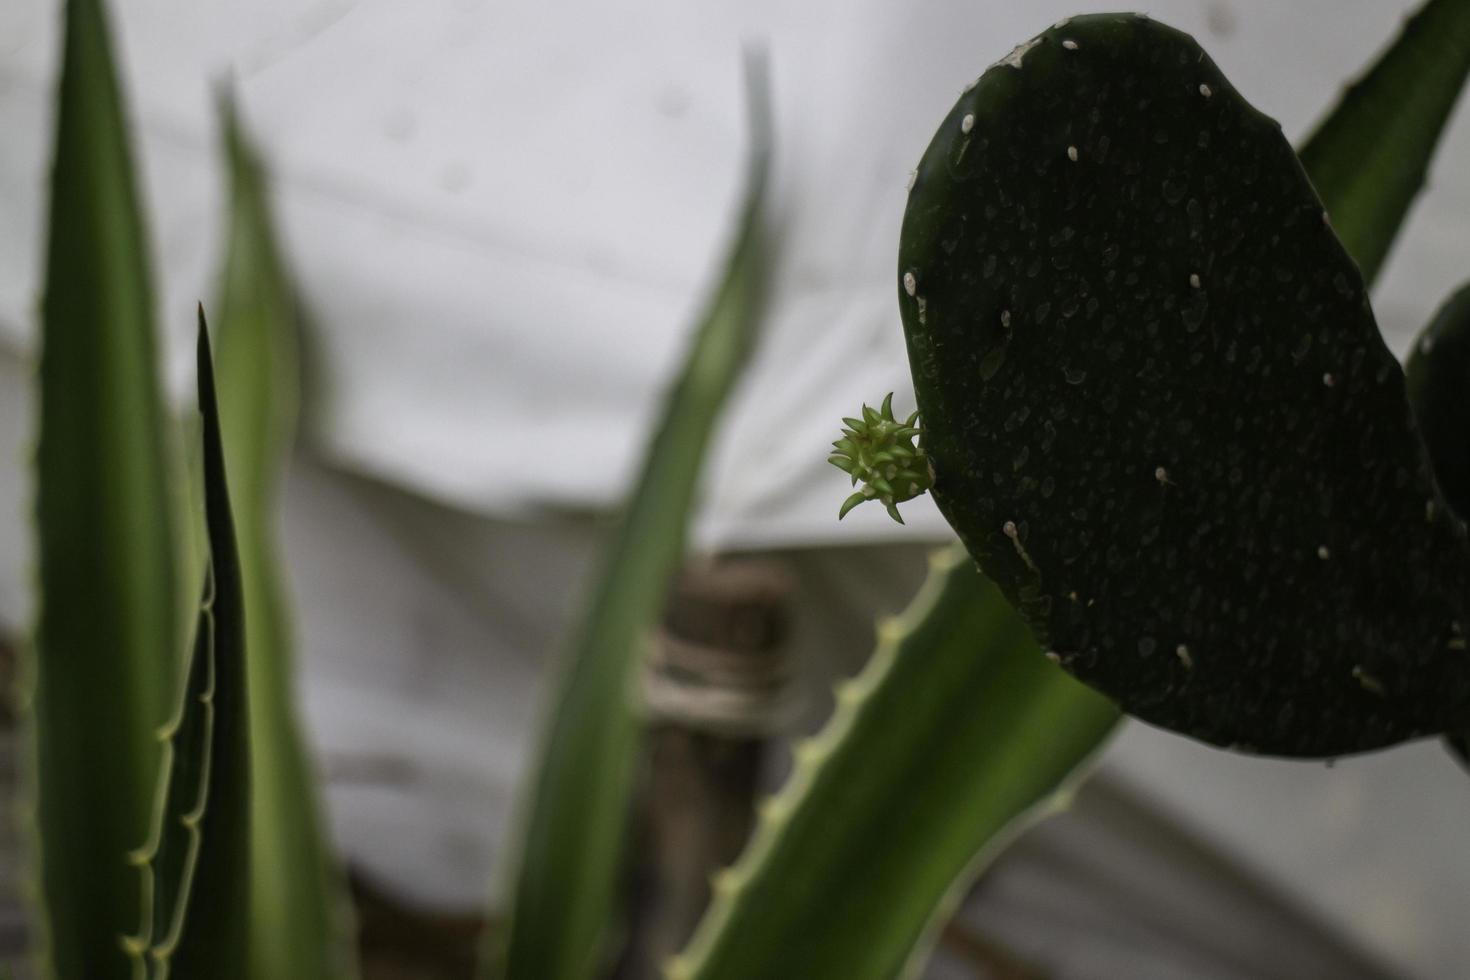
{"x": 1158, "y": 409}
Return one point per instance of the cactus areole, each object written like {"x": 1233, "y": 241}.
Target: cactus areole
{"x": 1158, "y": 409}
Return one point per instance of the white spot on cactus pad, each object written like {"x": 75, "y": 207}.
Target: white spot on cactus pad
{"x": 1329, "y": 379}
{"x": 1369, "y": 683}
{"x": 1010, "y": 529}
{"x": 1182, "y": 652}
{"x": 1072, "y": 153}
{"x": 1070, "y": 44}
{"x": 1194, "y": 280}
{"x": 910, "y": 284}
{"x": 967, "y": 123}
{"x": 1018, "y": 53}
{"x": 1205, "y": 90}
{"x": 1323, "y": 552}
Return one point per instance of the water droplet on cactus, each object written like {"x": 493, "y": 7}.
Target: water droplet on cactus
{"x": 1193, "y": 311}
{"x": 991, "y": 363}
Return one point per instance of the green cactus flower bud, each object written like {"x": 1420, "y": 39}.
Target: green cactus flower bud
{"x": 878, "y": 451}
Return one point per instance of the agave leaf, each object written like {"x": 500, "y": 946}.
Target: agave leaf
{"x": 195, "y": 866}
{"x": 564, "y": 889}
{"x": 299, "y": 911}
{"x": 1368, "y": 158}
{"x": 108, "y": 637}
{"x": 955, "y": 736}
{"x": 215, "y": 940}
{"x": 167, "y": 861}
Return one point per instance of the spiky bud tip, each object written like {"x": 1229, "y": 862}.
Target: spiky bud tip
{"x": 879, "y": 451}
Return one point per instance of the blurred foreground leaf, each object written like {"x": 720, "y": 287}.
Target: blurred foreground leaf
{"x": 108, "y": 634}
{"x": 564, "y": 890}
{"x": 195, "y": 867}
{"x": 298, "y": 907}
{"x": 1368, "y": 158}
{"x": 955, "y": 736}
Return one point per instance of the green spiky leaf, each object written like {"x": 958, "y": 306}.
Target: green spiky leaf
{"x": 167, "y": 861}
{"x": 573, "y": 830}
{"x": 1369, "y": 157}
{"x": 298, "y": 909}
{"x": 955, "y": 736}
{"x": 1184, "y": 452}
{"x": 195, "y": 866}
{"x": 108, "y": 635}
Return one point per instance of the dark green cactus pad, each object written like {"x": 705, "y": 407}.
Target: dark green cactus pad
{"x": 1160, "y": 413}
{"x": 1438, "y": 375}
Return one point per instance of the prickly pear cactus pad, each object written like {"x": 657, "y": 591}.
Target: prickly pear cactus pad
{"x": 1159, "y": 411}
{"x": 1438, "y": 371}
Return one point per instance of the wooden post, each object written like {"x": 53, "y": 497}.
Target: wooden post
{"x": 715, "y": 687}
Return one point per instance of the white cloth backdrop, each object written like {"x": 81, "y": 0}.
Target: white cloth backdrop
{"x": 502, "y": 217}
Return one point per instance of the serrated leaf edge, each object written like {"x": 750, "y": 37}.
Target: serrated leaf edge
{"x": 149, "y": 954}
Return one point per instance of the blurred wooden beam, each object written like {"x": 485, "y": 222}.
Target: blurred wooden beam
{"x": 716, "y": 689}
